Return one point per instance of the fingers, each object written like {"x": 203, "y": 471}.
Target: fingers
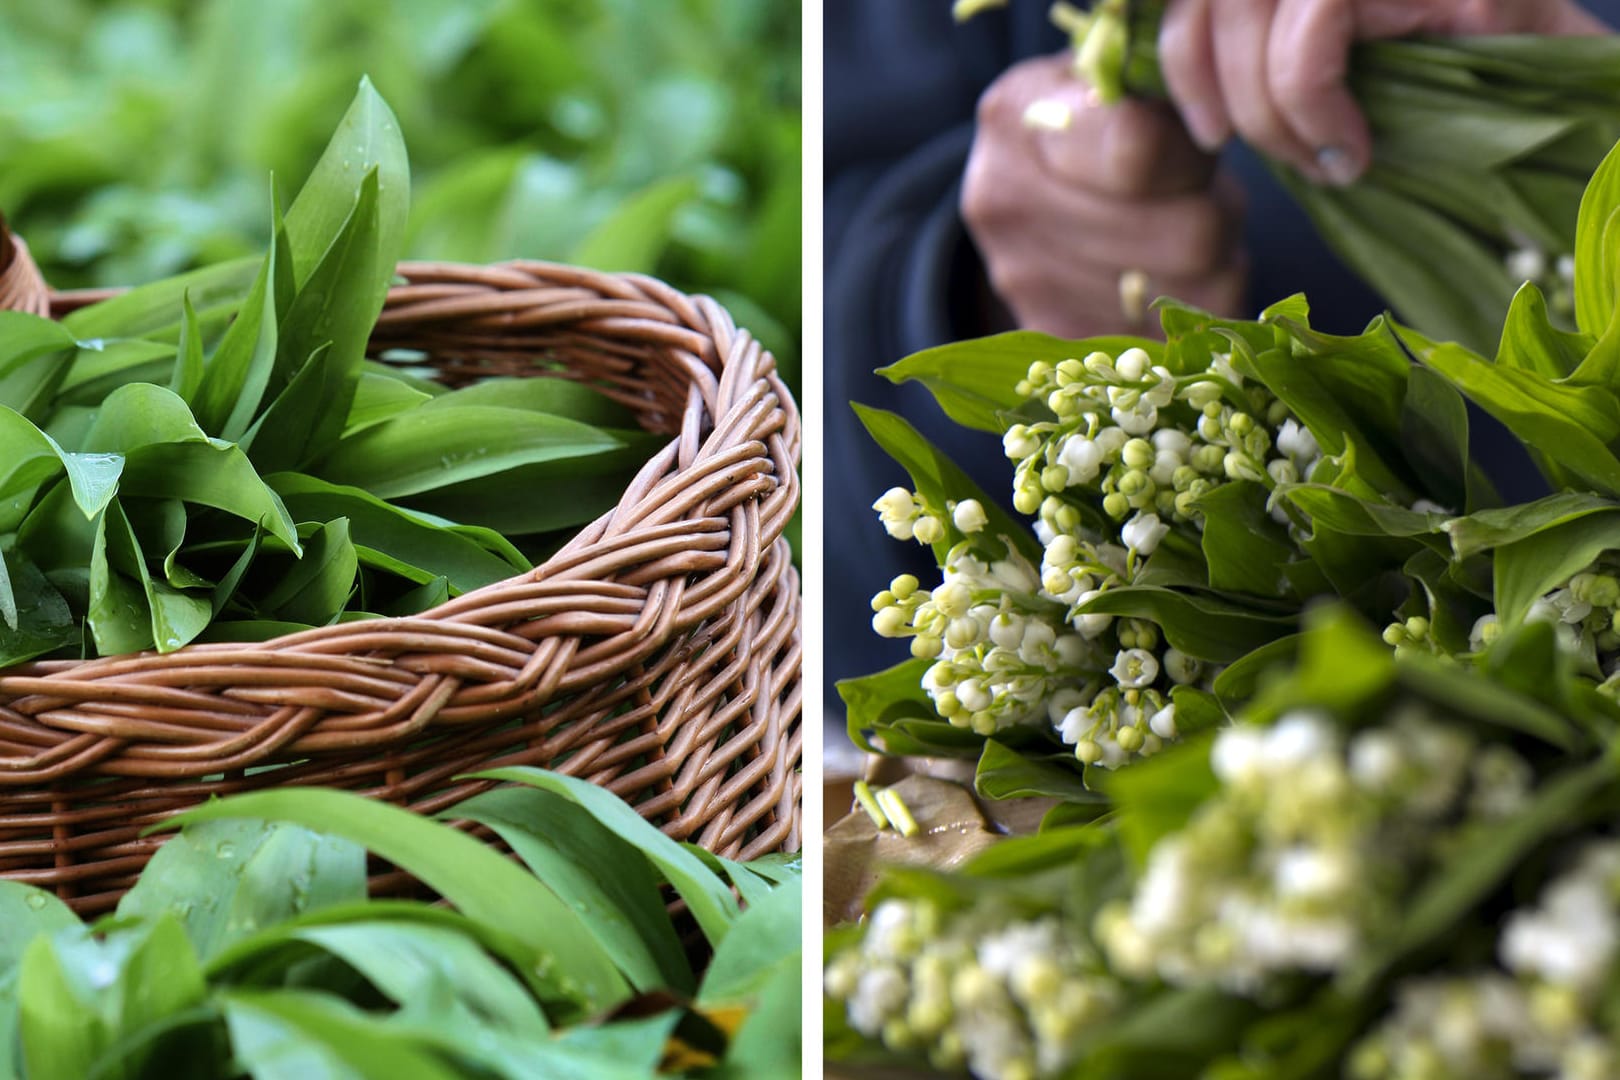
{"x": 1070, "y": 303}
{"x": 1131, "y": 150}
{"x": 1241, "y": 37}
{"x": 1061, "y": 209}
{"x": 1187, "y": 58}
{"x": 1307, "y": 57}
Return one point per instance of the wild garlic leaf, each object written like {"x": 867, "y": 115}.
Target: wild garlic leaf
{"x": 426, "y": 449}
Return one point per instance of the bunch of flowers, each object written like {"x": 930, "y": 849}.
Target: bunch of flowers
{"x": 1312, "y": 850}
{"x": 1316, "y": 849}
{"x": 1009, "y": 998}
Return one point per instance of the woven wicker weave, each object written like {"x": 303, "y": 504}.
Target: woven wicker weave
{"x": 657, "y": 654}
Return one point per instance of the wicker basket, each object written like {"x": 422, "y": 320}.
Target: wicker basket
{"x": 657, "y": 654}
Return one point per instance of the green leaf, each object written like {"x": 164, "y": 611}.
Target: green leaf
{"x": 27, "y": 913}
{"x": 1243, "y": 547}
{"x": 1569, "y": 425}
{"x": 367, "y": 140}
{"x": 294, "y": 1035}
{"x": 1532, "y": 567}
{"x": 29, "y": 457}
{"x": 188, "y": 364}
{"x": 1158, "y": 796}
{"x": 1004, "y": 773}
{"x": 1530, "y": 341}
{"x": 558, "y": 396}
{"x": 236, "y": 376}
{"x": 425, "y": 449}
{"x": 551, "y": 495}
{"x": 396, "y": 533}
{"x": 119, "y": 617}
{"x": 638, "y": 231}
{"x": 150, "y": 310}
{"x": 35, "y": 356}
{"x": 764, "y": 939}
{"x": 34, "y": 618}
{"x": 939, "y": 481}
{"x": 177, "y": 617}
{"x": 409, "y": 962}
{"x": 483, "y": 884}
{"x": 60, "y": 1036}
{"x": 326, "y": 330}
{"x": 975, "y": 381}
{"x": 707, "y": 896}
{"x": 586, "y": 863}
{"x": 1203, "y": 627}
{"x": 208, "y": 474}
{"x": 378, "y": 397}
{"x": 318, "y": 586}
{"x": 875, "y": 702}
{"x": 1498, "y": 527}
{"x": 226, "y": 880}
{"x": 1596, "y": 263}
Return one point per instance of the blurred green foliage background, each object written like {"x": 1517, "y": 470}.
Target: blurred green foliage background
{"x": 137, "y": 138}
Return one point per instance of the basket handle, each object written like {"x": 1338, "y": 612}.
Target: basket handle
{"x": 22, "y": 288}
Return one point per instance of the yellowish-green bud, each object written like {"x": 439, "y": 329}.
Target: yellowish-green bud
{"x": 927, "y": 647}
{"x": 903, "y": 586}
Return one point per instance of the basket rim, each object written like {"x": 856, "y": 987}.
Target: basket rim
{"x": 708, "y": 482}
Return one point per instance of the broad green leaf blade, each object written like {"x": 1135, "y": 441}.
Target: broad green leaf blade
{"x": 177, "y": 617}
{"x": 589, "y": 865}
{"x": 225, "y": 880}
{"x": 296, "y": 1035}
{"x": 60, "y": 1036}
{"x": 209, "y": 474}
{"x": 1506, "y": 525}
{"x": 29, "y": 457}
{"x": 426, "y": 449}
{"x": 974, "y": 381}
{"x": 318, "y": 586}
{"x": 367, "y": 139}
{"x": 150, "y": 310}
{"x": 396, "y": 533}
{"x": 119, "y": 617}
{"x": 410, "y": 962}
{"x": 892, "y": 705}
{"x": 483, "y": 884}
{"x": 1005, "y": 773}
{"x": 765, "y": 938}
{"x": 188, "y": 363}
{"x": 1204, "y": 627}
{"x": 27, "y": 913}
{"x": 326, "y": 330}
{"x": 1529, "y": 568}
{"x": 1595, "y": 262}
{"x": 34, "y": 618}
{"x": 377, "y": 398}
{"x": 546, "y": 394}
{"x": 707, "y": 896}
{"x": 235, "y": 377}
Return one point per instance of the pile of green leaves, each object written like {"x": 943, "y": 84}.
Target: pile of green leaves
{"x": 1480, "y": 149}
{"x": 214, "y": 457}
{"x": 249, "y": 948}
{"x": 617, "y": 134}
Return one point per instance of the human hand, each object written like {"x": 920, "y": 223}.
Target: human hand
{"x": 1062, "y": 214}
{"x": 1273, "y": 71}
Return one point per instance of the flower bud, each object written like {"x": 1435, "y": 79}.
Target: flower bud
{"x": 1019, "y": 442}
{"x": 1116, "y": 506}
{"x": 1240, "y": 466}
{"x": 1240, "y": 423}
{"x": 1143, "y": 533}
{"x": 904, "y": 586}
{"x": 962, "y": 633}
{"x": 1137, "y": 454}
{"x": 890, "y": 622}
{"x": 1132, "y": 364}
{"x": 1163, "y": 722}
{"x": 1027, "y": 500}
{"x": 1101, "y": 365}
{"x": 928, "y": 530}
{"x": 969, "y": 516}
{"x": 1129, "y": 739}
{"x": 1054, "y": 478}
{"x": 1210, "y": 428}
{"x": 1088, "y": 752}
{"x": 927, "y": 647}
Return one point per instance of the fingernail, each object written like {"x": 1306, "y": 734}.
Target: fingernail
{"x": 1205, "y": 127}
{"x": 1338, "y": 166}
